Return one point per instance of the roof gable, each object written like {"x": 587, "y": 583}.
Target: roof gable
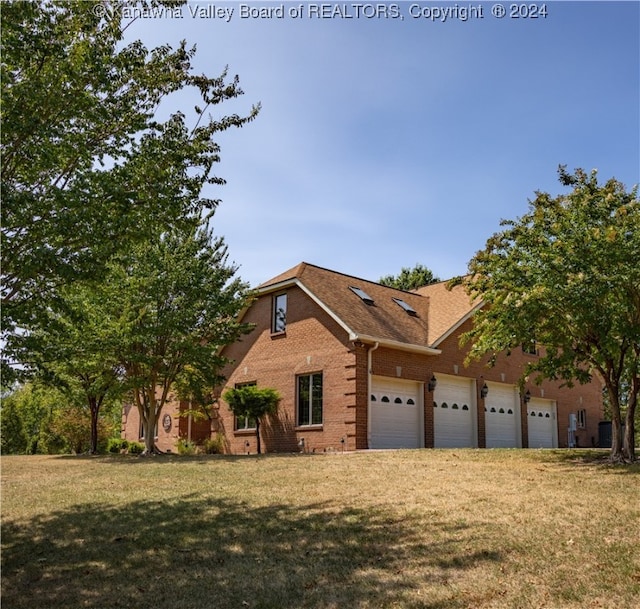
{"x": 422, "y": 318}
{"x": 449, "y": 309}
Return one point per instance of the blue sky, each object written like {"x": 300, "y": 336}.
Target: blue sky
{"x": 383, "y": 143}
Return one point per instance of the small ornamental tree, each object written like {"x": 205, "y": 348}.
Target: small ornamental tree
{"x": 254, "y": 403}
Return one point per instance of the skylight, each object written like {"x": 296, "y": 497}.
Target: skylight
{"x": 407, "y": 307}
{"x": 362, "y": 294}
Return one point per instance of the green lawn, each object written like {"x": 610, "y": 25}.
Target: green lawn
{"x": 407, "y": 529}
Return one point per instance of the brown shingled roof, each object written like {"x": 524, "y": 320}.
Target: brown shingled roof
{"x": 436, "y": 309}
{"x": 449, "y": 308}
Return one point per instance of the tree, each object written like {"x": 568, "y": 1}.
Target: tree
{"x": 37, "y": 418}
{"x": 253, "y": 403}
{"x": 87, "y": 165}
{"x": 13, "y": 439}
{"x": 175, "y": 302}
{"x": 410, "y": 279}
{"x": 567, "y": 275}
{"x": 74, "y": 351}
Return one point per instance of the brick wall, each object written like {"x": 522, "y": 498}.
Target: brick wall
{"x": 313, "y": 342}
{"x": 508, "y": 369}
{"x": 166, "y": 436}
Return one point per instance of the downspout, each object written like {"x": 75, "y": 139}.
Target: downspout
{"x": 369, "y": 387}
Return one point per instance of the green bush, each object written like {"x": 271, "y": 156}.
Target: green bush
{"x": 116, "y": 445}
{"x": 186, "y": 447}
{"x": 214, "y": 446}
{"x": 135, "y": 448}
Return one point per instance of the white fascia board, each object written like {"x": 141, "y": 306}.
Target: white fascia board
{"x": 275, "y": 287}
{"x": 395, "y": 344}
{"x": 455, "y": 326}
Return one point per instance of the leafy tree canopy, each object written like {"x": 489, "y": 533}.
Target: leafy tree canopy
{"x": 172, "y": 303}
{"x": 410, "y": 279}
{"x": 567, "y": 274}
{"x": 252, "y": 402}
{"x": 87, "y": 165}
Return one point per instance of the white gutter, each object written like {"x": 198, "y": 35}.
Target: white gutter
{"x": 369, "y": 387}
{"x": 394, "y": 344}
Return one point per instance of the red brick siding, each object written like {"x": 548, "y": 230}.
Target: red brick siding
{"x": 313, "y": 342}
{"x": 165, "y": 440}
{"x": 569, "y": 400}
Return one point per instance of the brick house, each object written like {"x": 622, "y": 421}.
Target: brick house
{"x": 364, "y": 366}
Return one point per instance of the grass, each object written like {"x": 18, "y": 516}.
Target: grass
{"x": 416, "y": 529}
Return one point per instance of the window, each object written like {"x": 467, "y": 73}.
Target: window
{"x": 362, "y": 294}
{"x": 245, "y": 422}
{"x": 407, "y": 307}
{"x": 310, "y": 399}
{"x": 530, "y": 347}
{"x": 582, "y": 419}
{"x": 279, "y": 317}
{"x": 242, "y": 423}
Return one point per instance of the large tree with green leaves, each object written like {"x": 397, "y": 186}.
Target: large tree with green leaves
{"x": 88, "y": 165}
{"x": 410, "y": 279}
{"x": 567, "y": 274}
{"x": 74, "y": 350}
{"x": 175, "y": 302}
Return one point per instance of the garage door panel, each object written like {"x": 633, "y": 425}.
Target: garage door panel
{"x": 453, "y": 412}
{"x": 396, "y": 414}
{"x": 502, "y": 429}
{"x": 541, "y": 423}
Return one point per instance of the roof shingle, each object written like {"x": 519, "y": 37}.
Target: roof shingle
{"x": 437, "y": 309}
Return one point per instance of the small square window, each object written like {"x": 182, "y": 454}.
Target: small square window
{"x": 406, "y": 306}
{"x": 244, "y": 423}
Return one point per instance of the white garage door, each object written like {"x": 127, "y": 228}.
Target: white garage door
{"x": 541, "y": 422}
{"x": 501, "y": 420}
{"x": 396, "y": 413}
{"x": 453, "y": 412}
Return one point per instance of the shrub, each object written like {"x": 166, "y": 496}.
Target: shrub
{"x": 186, "y": 447}
{"x": 116, "y": 445}
{"x": 135, "y": 448}
{"x": 214, "y": 446}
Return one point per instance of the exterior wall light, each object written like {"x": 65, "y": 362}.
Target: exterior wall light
{"x": 527, "y": 396}
{"x": 484, "y": 391}
{"x": 432, "y": 383}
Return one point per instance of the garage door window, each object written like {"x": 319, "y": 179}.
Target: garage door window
{"x": 310, "y": 399}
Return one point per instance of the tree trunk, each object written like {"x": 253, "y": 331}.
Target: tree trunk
{"x": 258, "y": 434}
{"x": 94, "y": 408}
{"x": 629, "y": 448}
{"x": 148, "y": 416}
{"x": 616, "y": 455}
